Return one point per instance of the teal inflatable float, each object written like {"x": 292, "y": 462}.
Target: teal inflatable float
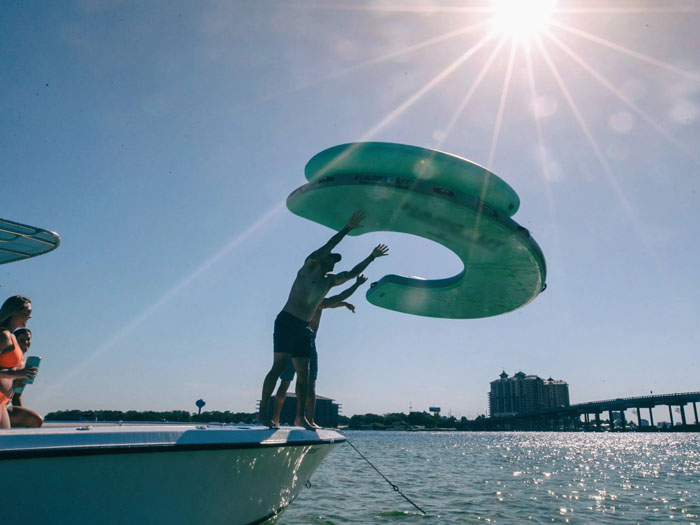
{"x": 438, "y": 196}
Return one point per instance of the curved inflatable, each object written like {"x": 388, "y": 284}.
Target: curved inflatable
{"x": 413, "y": 165}
{"x": 438, "y": 196}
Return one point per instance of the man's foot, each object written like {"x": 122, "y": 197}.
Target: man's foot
{"x": 303, "y": 423}
{"x": 266, "y": 421}
{"x": 315, "y": 426}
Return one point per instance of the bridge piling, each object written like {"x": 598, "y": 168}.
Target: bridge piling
{"x": 682, "y": 407}
{"x": 695, "y": 409}
{"x": 651, "y": 417}
{"x": 670, "y": 414}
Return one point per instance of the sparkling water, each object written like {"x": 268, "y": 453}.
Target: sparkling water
{"x": 499, "y": 477}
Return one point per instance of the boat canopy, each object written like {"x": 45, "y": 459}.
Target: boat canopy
{"x": 19, "y": 241}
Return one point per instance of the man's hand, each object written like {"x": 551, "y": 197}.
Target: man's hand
{"x": 380, "y": 251}
{"x": 350, "y": 307}
{"x": 356, "y": 220}
{"x": 361, "y": 279}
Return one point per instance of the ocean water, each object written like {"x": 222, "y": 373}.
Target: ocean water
{"x": 499, "y": 477}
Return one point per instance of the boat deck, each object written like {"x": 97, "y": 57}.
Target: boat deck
{"x": 81, "y": 438}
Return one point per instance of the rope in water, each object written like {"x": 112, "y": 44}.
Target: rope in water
{"x": 393, "y": 486}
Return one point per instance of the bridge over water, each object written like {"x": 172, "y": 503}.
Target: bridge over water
{"x": 587, "y": 416}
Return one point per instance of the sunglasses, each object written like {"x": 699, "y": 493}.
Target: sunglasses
{"x": 25, "y": 310}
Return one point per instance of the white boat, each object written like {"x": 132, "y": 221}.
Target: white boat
{"x": 157, "y": 474}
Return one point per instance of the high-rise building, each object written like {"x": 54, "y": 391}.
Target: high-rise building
{"x": 525, "y": 393}
{"x": 557, "y": 392}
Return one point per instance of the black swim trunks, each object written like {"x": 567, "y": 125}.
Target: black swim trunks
{"x": 292, "y": 336}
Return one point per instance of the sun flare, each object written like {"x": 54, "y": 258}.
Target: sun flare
{"x": 521, "y": 20}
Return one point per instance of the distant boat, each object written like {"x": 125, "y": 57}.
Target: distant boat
{"x": 155, "y": 474}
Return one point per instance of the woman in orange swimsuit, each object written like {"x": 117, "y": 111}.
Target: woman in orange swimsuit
{"x": 21, "y": 416}
{"x": 14, "y": 313}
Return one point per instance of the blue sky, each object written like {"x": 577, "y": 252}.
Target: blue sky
{"x": 160, "y": 140}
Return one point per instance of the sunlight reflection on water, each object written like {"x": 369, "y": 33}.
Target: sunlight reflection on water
{"x": 506, "y": 478}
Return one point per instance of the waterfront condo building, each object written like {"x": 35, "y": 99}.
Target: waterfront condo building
{"x": 525, "y": 393}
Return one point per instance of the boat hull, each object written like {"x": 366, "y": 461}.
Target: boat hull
{"x": 232, "y": 483}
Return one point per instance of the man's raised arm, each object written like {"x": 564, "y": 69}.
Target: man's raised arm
{"x": 337, "y": 300}
{"x": 380, "y": 251}
{"x": 354, "y": 222}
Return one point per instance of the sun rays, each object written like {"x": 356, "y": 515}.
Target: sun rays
{"x": 534, "y": 28}
{"x": 626, "y": 51}
{"x": 524, "y": 22}
{"x": 621, "y": 96}
{"x": 442, "y": 37}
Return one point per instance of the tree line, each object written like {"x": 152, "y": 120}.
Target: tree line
{"x": 396, "y": 420}
{"x": 170, "y": 416}
{"x": 399, "y": 420}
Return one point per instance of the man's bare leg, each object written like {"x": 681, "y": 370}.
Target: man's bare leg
{"x": 311, "y": 404}
{"x": 301, "y": 365}
{"x": 279, "y": 363}
{"x": 279, "y": 400}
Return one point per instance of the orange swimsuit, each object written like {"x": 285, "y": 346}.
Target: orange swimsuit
{"x": 10, "y": 359}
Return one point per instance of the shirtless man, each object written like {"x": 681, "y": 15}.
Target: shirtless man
{"x": 337, "y": 301}
{"x": 293, "y": 337}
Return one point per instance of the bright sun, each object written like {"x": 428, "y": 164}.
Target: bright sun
{"x": 521, "y": 19}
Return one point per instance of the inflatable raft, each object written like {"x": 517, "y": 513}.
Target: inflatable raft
{"x": 438, "y": 196}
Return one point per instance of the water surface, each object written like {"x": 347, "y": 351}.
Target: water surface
{"x": 492, "y": 477}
